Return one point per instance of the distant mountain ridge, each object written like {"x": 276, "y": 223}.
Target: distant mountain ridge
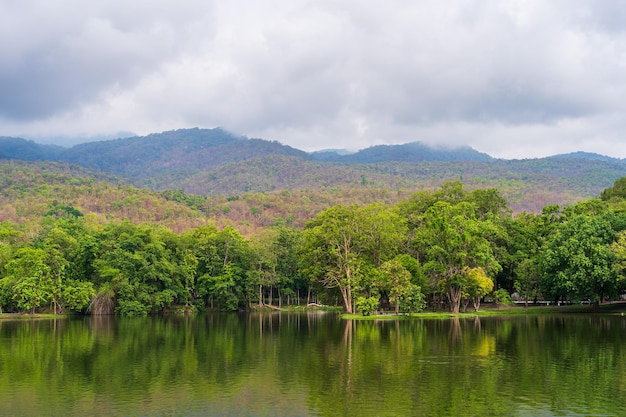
{"x": 414, "y": 152}
{"x": 27, "y": 150}
{"x": 587, "y": 155}
{"x": 187, "y": 151}
{"x": 215, "y": 162}
{"x": 206, "y": 144}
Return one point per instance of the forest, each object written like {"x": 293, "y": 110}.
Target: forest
{"x": 445, "y": 248}
{"x": 232, "y": 171}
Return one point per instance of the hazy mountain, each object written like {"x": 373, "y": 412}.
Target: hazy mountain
{"x": 330, "y": 155}
{"x": 586, "y": 155}
{"x": 180, "y": 152}
{"x": 188, "y": 151}
{"x": 26, "y": 150}
{"x": 408, "y": 152}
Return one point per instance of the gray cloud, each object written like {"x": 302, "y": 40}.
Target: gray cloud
{"x": 59, "y": 55}
{"x": 512, "y": 78}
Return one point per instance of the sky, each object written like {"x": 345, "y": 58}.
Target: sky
{"x": 512, "y": 78}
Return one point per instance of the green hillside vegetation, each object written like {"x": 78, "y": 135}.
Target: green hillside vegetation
{"x": 32, "y": 190}
{"x": 287, "y": 190}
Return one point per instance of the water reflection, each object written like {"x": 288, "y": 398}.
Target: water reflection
{"x": 313, "y": 364}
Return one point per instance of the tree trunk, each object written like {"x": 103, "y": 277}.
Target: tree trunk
{"x": 347, "y": 299}
{"x": 476, "y": 303}
{"x": 454, "y": 295}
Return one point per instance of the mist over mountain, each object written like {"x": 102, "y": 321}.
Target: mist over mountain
{"x": 199, "y": 149}
{"x": 209, "y": 148}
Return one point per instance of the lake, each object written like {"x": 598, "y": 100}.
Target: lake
{"x": 290, "y": 364}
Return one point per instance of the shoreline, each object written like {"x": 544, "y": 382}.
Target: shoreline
{"x": 614, "y": 308}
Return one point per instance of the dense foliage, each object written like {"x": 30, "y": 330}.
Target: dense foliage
{"x": 447, "y": 247}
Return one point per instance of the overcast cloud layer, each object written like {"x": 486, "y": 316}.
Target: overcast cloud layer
{"x": 513, "y": 78}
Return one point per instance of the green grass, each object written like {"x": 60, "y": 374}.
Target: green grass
{"x": 37, "y": 316}
{"x": 618, "y": 308}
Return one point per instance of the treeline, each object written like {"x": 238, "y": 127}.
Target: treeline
{"x": 448, "y": 247}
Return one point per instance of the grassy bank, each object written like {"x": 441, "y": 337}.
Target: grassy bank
{"x": 618, "y": 308}
{"x": 21, "y": 316}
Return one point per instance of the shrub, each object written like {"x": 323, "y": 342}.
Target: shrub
{"x": 367, "y": 305}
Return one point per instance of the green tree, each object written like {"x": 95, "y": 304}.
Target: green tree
{"x": 137, "y": 264}
{"x": 528, "y": 279}
{"x": 616, "y": 192}
{"x": 223, "y": 257}
{"x": 71, "y": 288}
{"x": 29, "y": 278}
{"x": 528, "y": 234}
{"x": 452, "y": 239}
{"x": 412, "y": 300}
{"x": 478, "y": 285}
{"x": 344, "y": 241}
{"x": 333, "y": 242}
{"x": 578, "y": 262}
{"x": 412, "y": 265}
{"x": 286, "y": 247}
{"x": 397, "y": 281}
{"x": 367, "y": 305}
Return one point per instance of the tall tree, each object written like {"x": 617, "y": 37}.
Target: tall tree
{"x": 342, "y": 241}
{"x": 452, "y": 239}
{"x": 397, "y": 281}
{"x": 478, "y": 285}
{"x": 333, "y": 242}
{"x": 578, "y": 262}
{"x": 29, "y": 278}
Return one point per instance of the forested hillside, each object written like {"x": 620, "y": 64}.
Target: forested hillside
{"x": 176, "y": 154}
{"x": 227, "y": 168}
{"x": 32, "y": 190}
{"x": 26, "y": 150}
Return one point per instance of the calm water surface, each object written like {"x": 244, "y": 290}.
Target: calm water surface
{"x": 313, "y": 365}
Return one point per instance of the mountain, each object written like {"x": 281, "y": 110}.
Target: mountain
{"x": 218, "y": 164}
{"x": 408, "y": 152}
{"x": 586, "y": 155}
{"x": 26, "y": 150}
{"x": 189, "y": 150}
{"x": 330, "y": 155}
{"x": 177, "y": 152}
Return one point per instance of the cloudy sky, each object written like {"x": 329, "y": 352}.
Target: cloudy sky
{"x": 513, "y": 78}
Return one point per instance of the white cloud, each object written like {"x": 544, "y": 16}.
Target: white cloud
{"x": 509, "y": 77}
